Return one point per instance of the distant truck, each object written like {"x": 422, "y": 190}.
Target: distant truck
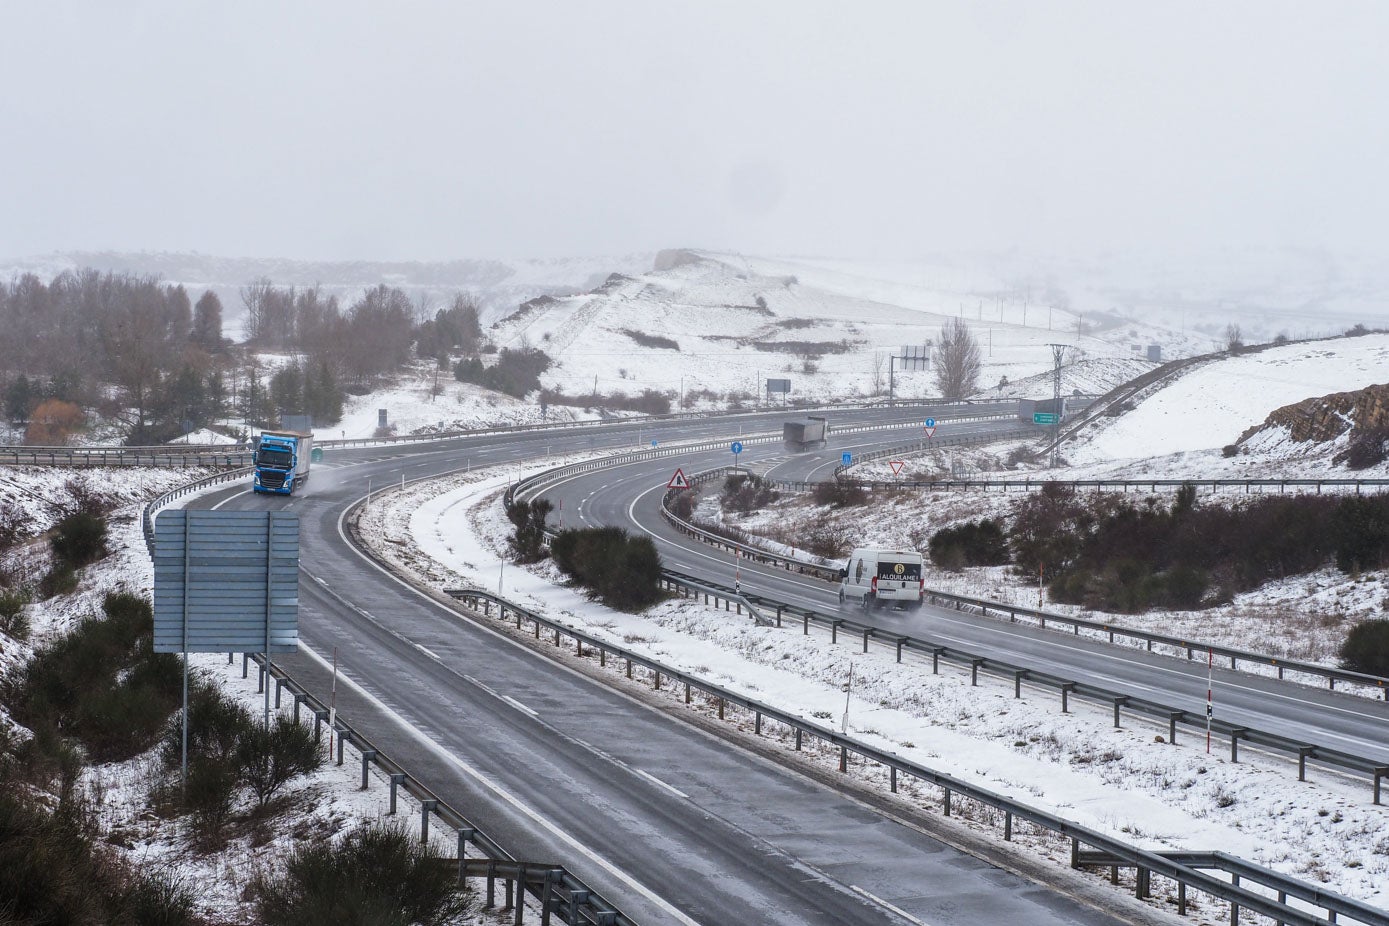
{"x": 282, "y": 461}
{"x": 805, "y": 435}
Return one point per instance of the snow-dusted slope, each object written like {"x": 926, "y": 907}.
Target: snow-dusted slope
{"x": 736, "y": 321}
{"x": 1215, "y": 402}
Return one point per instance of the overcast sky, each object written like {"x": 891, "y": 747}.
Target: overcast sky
{"x": 452, "y": 129}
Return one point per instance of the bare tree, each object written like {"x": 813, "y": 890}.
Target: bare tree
{"x": 957, "y": 360}
{"x": 253, "y": 297}
{"x": 879, "y": 368}
{"x": 1234, "y": 340}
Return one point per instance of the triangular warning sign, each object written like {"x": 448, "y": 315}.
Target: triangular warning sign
{"x": 678, "y": 481}
{"x": 897, "y": 467}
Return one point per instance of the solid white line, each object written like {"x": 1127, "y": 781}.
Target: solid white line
{"x": 519, "y": 706}
{"x": 229, "y": 498}
{"x": 656, "y": 781}
{"x": 428, "y": 652}
{"x": 506, "y": 795}
{"x": 884, "y": 904}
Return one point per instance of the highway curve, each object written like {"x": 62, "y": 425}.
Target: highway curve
{"x": 630, "y": 496}
{"x": 671, "y": 823}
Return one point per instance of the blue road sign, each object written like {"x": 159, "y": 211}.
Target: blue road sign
{"x": 930, "y": 422}
{"x": 846, "y": 458}
{"x": 655, "y": 443}
{"x": 737, "y": 446}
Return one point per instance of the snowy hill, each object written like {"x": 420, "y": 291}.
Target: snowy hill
{"x": 1215, "y": 402}
{"x": 728, "y": 323}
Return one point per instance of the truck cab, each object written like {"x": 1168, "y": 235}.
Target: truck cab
{"x": 878, "y": 577}
{"x": 282, "y": 461}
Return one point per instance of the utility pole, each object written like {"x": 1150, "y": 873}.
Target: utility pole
{"x": 1058, "y": 353}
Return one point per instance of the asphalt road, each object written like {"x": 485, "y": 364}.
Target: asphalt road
{"x": 630, "y": 496}
{"x": 671, "y": 823}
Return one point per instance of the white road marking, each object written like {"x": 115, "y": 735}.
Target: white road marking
{"x": 519, "y": 706}
{"x": 428, "y": 652}
{"x": 656, "y": 781}
{"x": 887, "y": 906}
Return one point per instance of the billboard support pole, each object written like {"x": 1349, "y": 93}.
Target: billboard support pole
{"x": 269, "y": 552}
{"x": 185, "y": 659}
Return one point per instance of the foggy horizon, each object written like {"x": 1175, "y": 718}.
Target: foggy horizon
{"x": 892, "y": 131}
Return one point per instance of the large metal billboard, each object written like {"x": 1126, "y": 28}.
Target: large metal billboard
{"x": 226, "y": 582}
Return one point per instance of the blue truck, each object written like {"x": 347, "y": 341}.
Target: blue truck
{"x": 282, "y": 461}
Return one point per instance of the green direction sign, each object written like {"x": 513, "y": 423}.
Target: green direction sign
{"x": 1044, "y": 418}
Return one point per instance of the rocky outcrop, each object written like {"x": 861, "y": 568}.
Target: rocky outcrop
{"x": 1330, "y": 416}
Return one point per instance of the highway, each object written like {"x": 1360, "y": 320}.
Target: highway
{"x": 630, "y": 496}
{"x": 667, "y": 820}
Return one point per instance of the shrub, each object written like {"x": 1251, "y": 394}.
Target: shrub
{"x": 516, "y": 372}
{"x": 13, "y": 621}
{"x": 682, "y": 506}
{"x": 79, "y": 539}
{"x": 1366, "y": 648}
{"x": 840, "y": 493}
{"x": 376, "y": 876}
{"x": 52, "y": 422}
{"x": 58, "y": 580}
{"x": 270, "y": 759}
{"x": 528, "y": 542}
{"x": 622, "y": 571}
{"x": 746, "y": 492}
{"x": 1360, "y": 527}
{"x": 1365, "y": 449}
{"x": 651, "y": 340}
{"x": 979, "y": 543}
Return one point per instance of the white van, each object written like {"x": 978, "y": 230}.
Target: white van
{"x": 878, "y": 577}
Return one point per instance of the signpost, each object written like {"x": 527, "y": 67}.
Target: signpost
{"x": 226, "y": 582}
{"x": 737, "y": 448}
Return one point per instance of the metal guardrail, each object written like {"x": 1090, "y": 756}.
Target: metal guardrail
{"x": 1016, "y": 612}
{"x": 1146, "y": 862}
{"x": 236, "y": 455}
{"x": 556, "y": 890}
{"x": 1377, "y": 769}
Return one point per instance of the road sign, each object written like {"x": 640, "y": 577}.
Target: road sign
{"x": 930, "y": 422}
{"x": 930, "y": 430}
{"x": 737, "y": 446}
{"x": 846, "y": 458}
{"x": 678, "y": 481}
{"x": 897, "y": 467}
{"x": 1045, "y": 418}
{"x": 655, "y": 443}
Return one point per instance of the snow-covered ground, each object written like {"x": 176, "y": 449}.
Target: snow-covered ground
{"x": 319, "y": 806}
{"x": 1119, "y": 781}
{"x": 1212, "y": 405}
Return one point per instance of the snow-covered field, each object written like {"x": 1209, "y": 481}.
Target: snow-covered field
{"x": 1119, "y": 781}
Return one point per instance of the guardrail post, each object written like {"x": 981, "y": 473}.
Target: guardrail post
{"x": 426, "y": 807}
{"x": 518, "y": 906}
{"x": 806, "y": 630}
{"x": 1234, "y": 907}
{"x": 556, "y": 636}
{"x": 721, "y": 707}
{"x": 901, "y": 641}
{"x": 757, "y": 723}
{"x": 947, "y": 802}
{"x": 491, "y": 885}
{"x": 397, "y": 779}
{"x": 1066, "y": 695}
{"x": 465, "y": 836}
{"x": 843, "y": 758}
{"x": 578, "y": 646}
{"x": 1172, "y": 719}
{"x": 1143, "y": 888}
{"x": 1075, "y": 852}
{"x": 974, "y": 671}
{"x": 1235, "y": 734}
{"x": 319, "y": 719}
{"x": 537, "y": 625}
{"x": 658, "y": 680}
{"x": 687, "y": 692}
{"x": 1380, "y": 774}
{"x": 798, "y": 739}
{"x": 1302, "y": 753}
{"x": 1181, "y": 898}
{"x": 892, "y": 778}
{"x": 245, "y": 665}
{"x": 629, "y": 668}
{"x": 1018, "y": 676}
{"x": 367, "y": 756}
{"x": 279, "y": 687}
{"x": 298, "y": 700}
{"x": 935, "y": 659}
{"x": 341, "y": 740}
{"x": 866, "y": 632}
{"x": 1118, "y": 703}
{"x": 1007, "y": 826}
{"x": 834, "y": 631}
{"x": 778, "y": 615}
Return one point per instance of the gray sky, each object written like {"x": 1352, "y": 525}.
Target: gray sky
{"x": 434, "y": 130}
